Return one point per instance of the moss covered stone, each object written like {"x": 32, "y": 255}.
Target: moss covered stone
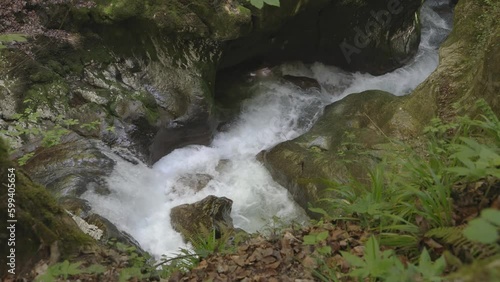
{"x": 43, "y": 229}
{"x": 202, "y": 217}
{"x": 343, "y": 143}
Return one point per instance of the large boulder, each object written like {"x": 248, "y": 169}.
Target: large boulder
{"x": 71, "y": 168}
{"x": 345, "y": 142}
{"x": 211, "y": 213}
{"x": 356, "y": 132}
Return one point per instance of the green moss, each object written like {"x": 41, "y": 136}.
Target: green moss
{"x": 152, "y": 115}
{"x": 53, "y": 95}
{"x": 40, "y": 221}
{"x": 121, "y": 9}
{"x": 467, "y": 65}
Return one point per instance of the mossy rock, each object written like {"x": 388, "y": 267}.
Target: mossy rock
{"x": 41, "y": 224}
{"x": 111, "y": 233}
{"x": 71, "y": 168}
{"x": 201, "y": 218}
{"x": 345, "y": 142}
{"x": 469, "y": 67}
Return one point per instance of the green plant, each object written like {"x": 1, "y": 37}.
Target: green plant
{"x": 407, "y": 201}
{"x": 13, "y": 37}
{"x": 374, "y": 264}
{"x": 140, "y": 264}
{"x": 66, "y": 269}
{"x": 461, "y": 244}
{"x": 315, "y": 239}
{"x": 30, "y": 124}
{"x": 476, "y": 160}
{"x": 260, "y": 3}
{"x": 386, "y": 266}
{"x": 204, "y": 244}
{"x": 485, "y": 228}
{"x": 358, "y": 201}
{"x": 25, "y": 158}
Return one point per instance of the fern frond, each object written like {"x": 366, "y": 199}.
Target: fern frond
{"x": 454, "y": 237}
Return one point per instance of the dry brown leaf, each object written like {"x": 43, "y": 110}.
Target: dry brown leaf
{"x": 268, "y": 260}
{"x": 309, "y": 263}
{"x": 358, "y": 250}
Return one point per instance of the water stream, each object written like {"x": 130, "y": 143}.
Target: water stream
{"x": 142, "y": 197}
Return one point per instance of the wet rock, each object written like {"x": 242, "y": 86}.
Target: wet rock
{"x": 203, "y": 216}
{"x": 223, "y": 164}
{"x": 71, "y": 168}
{"x": 76, "y": 206}
{"x": 305, "y": 83}
{"x": 180, "y": 133}
{"x": 195, "y": 182}
{"x": 125, "y": 155}
{"x": 321, "y": 143}
{"x": 461, "y": 77}
{"x": 110, "y": 231}
{"x": 368, "y": 36}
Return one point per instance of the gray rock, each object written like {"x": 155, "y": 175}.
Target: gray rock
{"x": 71, "y": 168}
{"x": 320, "y": 142}
{"x": 211, "y": 213}
{"x": 110, "y": 232}
{"x": 305, "y": 83}
{"x": 76, "y": 206}
{"x": 195, "y": 182}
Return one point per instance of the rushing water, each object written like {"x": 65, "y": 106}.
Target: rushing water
{"x": 142, "y": 197}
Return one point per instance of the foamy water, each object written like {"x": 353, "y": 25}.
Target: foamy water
{"x": 142, "y": 197}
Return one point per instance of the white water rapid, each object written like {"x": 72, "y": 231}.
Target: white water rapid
{"x": 141, "y": 198}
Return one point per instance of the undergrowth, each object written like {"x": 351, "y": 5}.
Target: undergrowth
{"x": 410, "y": 205}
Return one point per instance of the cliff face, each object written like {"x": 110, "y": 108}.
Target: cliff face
{"x": 367, "y": 36}
{"x": 468, "y": 70}
{"x": 144, "y": 71}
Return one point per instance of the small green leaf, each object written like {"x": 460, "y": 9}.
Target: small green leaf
{"x": 127, "y": 273}
{"x": 275, "y": 3}
{"x": 491, "y": 215}
{"x": 68, "y": 268}
{"x": 257, "y": 3}
{"x": 13, "y": 37}
{"x": 325, "y": 250}
{"x": 439, "y": 266}
{"x": 425, "y": 260}
{"x": 353, "y": 260}
{"x": 318, "y": 210}
{"x": 95, "y": 269}
{"x": 310, "y": 240}
{"x": 322, "y": 236}
{"x": 482, "y": 231}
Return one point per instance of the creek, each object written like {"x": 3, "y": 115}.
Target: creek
{"x": 141, "y": 198}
